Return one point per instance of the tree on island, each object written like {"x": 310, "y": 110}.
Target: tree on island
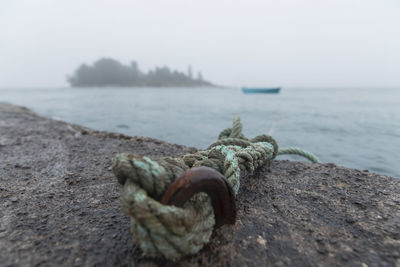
{"x": 110, "y": 72}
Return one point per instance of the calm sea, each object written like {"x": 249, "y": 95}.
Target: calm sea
{"x": 357, "y": 128}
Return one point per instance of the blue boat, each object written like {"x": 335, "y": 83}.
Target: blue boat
{"x": 253, "y": 90}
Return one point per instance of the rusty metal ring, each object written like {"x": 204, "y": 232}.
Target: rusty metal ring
{"x": 209, "y": 181}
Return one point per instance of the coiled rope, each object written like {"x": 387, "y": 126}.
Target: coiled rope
{"x": 173, "y": 232}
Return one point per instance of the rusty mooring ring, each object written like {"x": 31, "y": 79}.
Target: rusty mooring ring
{"x": 209, "y": 181}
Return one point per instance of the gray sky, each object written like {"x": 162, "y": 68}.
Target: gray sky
{"x": 236, "y": 42}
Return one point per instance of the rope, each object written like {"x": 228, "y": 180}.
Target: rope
{"x": 300, "y": 152}
{"x": 173, "y": 232}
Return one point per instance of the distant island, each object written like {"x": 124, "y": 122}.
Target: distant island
{"x": 110, "y": 72}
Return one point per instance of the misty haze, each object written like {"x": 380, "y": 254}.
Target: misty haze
{"x": 114, "y": 115}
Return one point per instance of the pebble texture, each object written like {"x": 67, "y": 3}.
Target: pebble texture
{"x": 59, "y": 205}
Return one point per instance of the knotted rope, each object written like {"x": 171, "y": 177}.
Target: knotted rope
{"x": 173, "y": 232}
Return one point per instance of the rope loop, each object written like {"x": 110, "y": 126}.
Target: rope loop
{"x": 173, "y": 232}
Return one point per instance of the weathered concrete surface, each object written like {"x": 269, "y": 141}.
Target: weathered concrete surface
{"x": 59, "y": 205}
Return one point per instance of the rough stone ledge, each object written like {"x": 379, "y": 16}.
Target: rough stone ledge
{"x": 59, "y": 205}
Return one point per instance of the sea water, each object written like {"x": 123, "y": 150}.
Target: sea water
{"x": 352, "y": 127}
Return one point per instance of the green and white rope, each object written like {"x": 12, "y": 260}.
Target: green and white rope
{"x": 300, "y": 152}
{"x": 172, "y": 232}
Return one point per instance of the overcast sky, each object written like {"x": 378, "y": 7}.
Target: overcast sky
{"x": 237, "y": 42}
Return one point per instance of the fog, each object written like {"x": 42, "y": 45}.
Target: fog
{"x": 242, "y": 42}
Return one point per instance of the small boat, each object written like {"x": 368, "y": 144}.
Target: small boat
{"x": 253, "y": 90}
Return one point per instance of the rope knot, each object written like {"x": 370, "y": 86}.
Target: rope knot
{"x": 149, "y": 185}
